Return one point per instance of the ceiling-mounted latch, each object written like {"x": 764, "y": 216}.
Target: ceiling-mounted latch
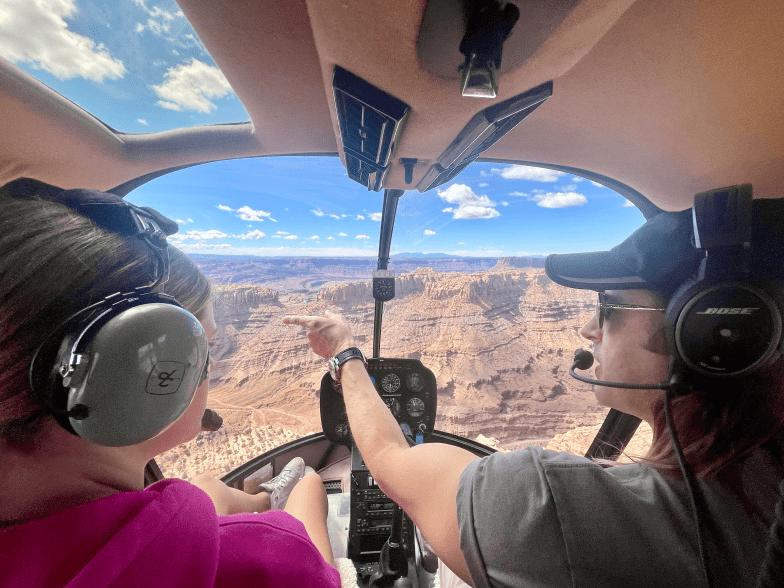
{"x": 488, "y": 25}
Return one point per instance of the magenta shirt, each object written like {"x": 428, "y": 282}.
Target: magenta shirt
{"x": 164, "y": 536}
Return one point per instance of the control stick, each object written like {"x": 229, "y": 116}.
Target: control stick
{"x": 393, "y": 563}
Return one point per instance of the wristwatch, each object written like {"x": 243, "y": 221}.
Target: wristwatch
{"x": 336, "y": 361}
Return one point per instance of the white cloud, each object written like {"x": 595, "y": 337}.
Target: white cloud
{"x": 429, "y": 233}
{"x": 251, "y": 235}
{"x": 330, "y": 238}
{"x": 503, "y": 203}
{"x": 523, "y": 172}
{"x": 180, "y": 222}
{"x": 360, "y": 217}
{"x": 375, "y": 216}
{"x": 469, "y": 204}
{"x": 362, "y": 237}
{"x": 461, "y": 243}
{"x": 577, "y": 179}
{"x": 190, "y": 220}
{"x": 191, "y": 86}
{"x": 281, "y": 232}
{"x": 223, "y": 207}
{"x": 318, "y": 212}
{"x": 290, "y": 237}
{"x": 160, "y": 20}
{"x": 142, "y": 121}
{"x": 335, "y": 216}
{"x": 248, "y": 214}
{"x": 36, "y": 33}
{"x": 484, "y": 185}
{"x": 597, "y": 184}
{"x": 342, "y": 235}
{"x": 627, "y": 204}
{"x": 192, "y": 247}
{"x": 313, "y": 238}
{"x": 204, "y": 235}
{"x": 559, "y": 199}
{"x": 569, "y": 187}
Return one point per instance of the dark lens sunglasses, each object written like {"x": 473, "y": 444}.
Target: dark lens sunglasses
{"x": 605, "y": 306}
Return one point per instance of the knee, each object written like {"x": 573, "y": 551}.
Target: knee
{"x": 310, "y": 485}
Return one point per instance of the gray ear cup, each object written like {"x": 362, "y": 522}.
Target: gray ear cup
{"x": 137, "y": 375}
{"x": 121, "y": 371}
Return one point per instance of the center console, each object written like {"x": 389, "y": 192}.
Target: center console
{"x": 409, "y": 390}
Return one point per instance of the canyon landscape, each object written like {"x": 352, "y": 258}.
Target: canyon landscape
{"x": 498, "y": 336}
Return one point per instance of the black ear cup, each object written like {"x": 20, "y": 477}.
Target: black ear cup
{"x": 123, "y": 372}
{"x": 724, "y": 329}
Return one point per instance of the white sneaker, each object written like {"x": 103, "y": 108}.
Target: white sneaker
{"x": 281, "y": 485}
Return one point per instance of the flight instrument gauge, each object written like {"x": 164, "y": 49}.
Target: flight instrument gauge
{"x": 342, "y": 430}
{"x": 415, "y": 407}
{"x": 394, "y": 406}
{"x": 415, "y": 382}
{"x": 390, "y": 383}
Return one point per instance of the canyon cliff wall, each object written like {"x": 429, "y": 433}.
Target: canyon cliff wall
{"x": 499, "y": 342}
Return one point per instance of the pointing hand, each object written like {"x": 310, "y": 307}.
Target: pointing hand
{"x": 327, "y": 335}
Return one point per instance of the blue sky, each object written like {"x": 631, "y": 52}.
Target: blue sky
{"x": 138, "y": 66}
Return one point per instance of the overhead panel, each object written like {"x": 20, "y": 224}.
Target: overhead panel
{"x": 482, "y": 132}
{"x": 371, "y": 122}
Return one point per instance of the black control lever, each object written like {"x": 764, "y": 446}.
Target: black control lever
{"x": 393, "y": 563}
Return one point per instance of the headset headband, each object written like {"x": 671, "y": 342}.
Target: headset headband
{"x": 112, "y": 213}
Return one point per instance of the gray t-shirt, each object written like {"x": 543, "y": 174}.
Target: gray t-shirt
{"x": 538, "y": 518}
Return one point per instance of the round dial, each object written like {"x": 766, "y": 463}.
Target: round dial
{"x": 415, "y": 407}
{"x": 341, "y": 429}
{"x": 390, "y": 383}
{"x": 394, "y": 406}
{"x": 415, "y": 382}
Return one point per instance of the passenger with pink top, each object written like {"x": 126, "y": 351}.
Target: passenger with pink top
{"x": 80, "y": 415}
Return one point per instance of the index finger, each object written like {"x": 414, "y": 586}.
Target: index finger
{"x": 300, "y": 320}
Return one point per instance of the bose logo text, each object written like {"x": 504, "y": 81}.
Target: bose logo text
{"x": 746, "y": 310}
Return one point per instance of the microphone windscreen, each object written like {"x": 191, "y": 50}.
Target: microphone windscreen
{"x": 211, "y": 421}
{"x": 583, "y": 359}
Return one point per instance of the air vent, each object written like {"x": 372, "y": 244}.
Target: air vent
{"x": 482, "y": 132}
{"x": 333, "y": 486}
{"x": 371, "y": 122}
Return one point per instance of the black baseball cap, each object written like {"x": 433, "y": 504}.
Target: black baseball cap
{"x": 661, "y": 255}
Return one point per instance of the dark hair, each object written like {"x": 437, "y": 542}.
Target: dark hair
{"x": 54, "y": 262}
{"x": 722, "y": 421}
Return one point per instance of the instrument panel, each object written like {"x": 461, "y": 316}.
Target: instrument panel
{"x": 407, "y": 387}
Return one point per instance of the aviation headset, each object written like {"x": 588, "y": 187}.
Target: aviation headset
{"x": 727, "y": 321}
{"x": 123, "y": 370}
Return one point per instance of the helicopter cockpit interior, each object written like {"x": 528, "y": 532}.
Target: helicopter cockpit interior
{"x": 652, "y": 101}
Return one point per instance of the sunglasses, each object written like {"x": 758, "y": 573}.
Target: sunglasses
{"x": 206, "y": 371}
{"x": 606, "y": 308}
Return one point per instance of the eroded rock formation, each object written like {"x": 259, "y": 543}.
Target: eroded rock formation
{"x": 499, "y": 343}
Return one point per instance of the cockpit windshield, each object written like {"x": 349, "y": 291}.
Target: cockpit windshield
{"x": 291, "y": 235}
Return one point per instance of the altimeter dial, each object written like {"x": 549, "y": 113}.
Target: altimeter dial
{"x": 390, "y": 383}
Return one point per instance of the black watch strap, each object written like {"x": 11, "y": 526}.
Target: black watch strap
{"x": 337, "y": 360}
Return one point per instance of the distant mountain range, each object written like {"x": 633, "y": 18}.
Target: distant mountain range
{"x": 309, "y": 273}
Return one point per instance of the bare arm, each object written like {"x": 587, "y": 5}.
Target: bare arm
{"x": 422, "y": 479}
